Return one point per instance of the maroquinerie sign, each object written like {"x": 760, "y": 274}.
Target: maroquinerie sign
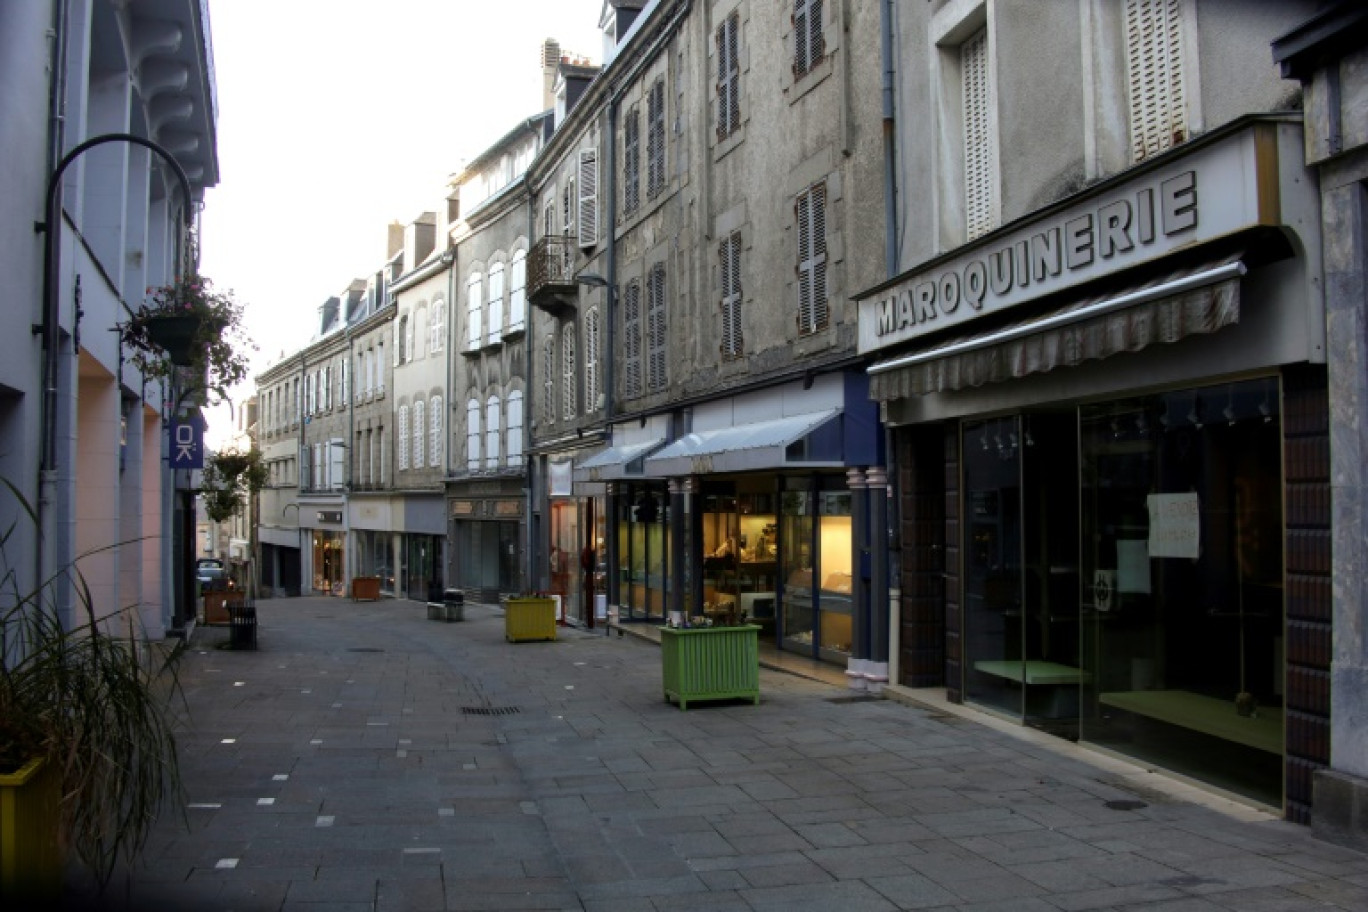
{"x": 1212, "y": 192}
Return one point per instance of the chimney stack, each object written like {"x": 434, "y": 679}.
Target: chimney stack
{"x": 550, "y": 60}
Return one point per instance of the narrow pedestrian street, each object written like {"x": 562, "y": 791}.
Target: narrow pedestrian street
{"x": 367, "y": 758}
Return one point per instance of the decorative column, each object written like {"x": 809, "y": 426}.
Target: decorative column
{"x": 858, "y": 663}
{"x": 880, "y": 607}
{"x": 610, "y": 549}
{"x": 678, "y": 529}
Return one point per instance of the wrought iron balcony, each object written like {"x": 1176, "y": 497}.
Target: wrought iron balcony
{"x": 550, "y": 274}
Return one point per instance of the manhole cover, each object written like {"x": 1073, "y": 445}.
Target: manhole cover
{"x": 364, "y": 649}
{"x": 1125, "y": 804}
{"x": 489, "y": 710}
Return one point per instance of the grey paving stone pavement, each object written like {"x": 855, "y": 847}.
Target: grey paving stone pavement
{"x": 366, "y": 758}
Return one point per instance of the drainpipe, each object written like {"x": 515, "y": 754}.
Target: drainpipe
{"x": 889, "y": 140}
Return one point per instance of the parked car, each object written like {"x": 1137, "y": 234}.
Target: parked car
{"x": 211, "y": 575}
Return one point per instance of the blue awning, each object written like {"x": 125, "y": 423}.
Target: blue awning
{"x": 809, "y": 440}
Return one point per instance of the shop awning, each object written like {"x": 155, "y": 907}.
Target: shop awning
{"x": 805, "y": 440}
{"x": 616, "y": 462}
{"x": 1163, "y": 310}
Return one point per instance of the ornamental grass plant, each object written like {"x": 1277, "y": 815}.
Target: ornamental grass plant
{"x": 92, "y": 699}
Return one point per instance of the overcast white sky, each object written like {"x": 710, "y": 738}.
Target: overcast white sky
{"x": 337, "y": 118}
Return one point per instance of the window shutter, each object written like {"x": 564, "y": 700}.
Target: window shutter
{"x": 435, "y": 432}
{"x": 979, "y": 141}
{"x": 729, "y": 258}
{"x": 419, "y": 433}
{"x": 473, "y": 306}
{"x": 655, "y": 138}
{"x": 496, "y": 294}
{"x": 631, "y": 161}
{"x": 631, "y": 340}
{"x": 492, "y": 433}
{"x": 655, "y": 328}
{"x": 809, "y": 45}
{"x": 728, "y": 77}
{"x": 402, "y": 435}
{"x": 472, "y": 435}
{"x": 591, "y": 360}
{"x": 568, "y": 404}
{"x": 337, "y": 452}
{"x": 398, "y": 341}
{"x": 549, "y": 380}
{"x": 346, "y": 381}
{"x": 515, "y": 426}
{"x": 588, "y": 197}
{"x": 812, "y": 296}
{"x": 1155, "y": 75}
{"x": 567, "y": 212}
{"x": 517, "y": 295}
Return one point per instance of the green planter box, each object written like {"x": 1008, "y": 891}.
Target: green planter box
{"x": 30, "y": 860}
{"x": 710, "y": 663}
{"x": 529, "y": 619}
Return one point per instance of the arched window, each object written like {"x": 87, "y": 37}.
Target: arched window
{"x": 419, "y": 432}
{"x": 400, "y": 346}
{"x": 496, "y": 292}
{"x": 517, "y": 291}
{"x": 436, "y": 419}
{"x": 492, "y": 433}
{"x": 515, "y": 427}
{"x": 473, "y": 435}
{"x": 568, "y": 404}
{"x": 403, "y": 437}
{"x": 473, "y": 305}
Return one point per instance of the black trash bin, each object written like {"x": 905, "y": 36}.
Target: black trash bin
{"x": 242, "y": 624}
{"x": 453, "y": 604}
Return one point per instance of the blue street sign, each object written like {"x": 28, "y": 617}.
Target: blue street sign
{"x": 187, "y": 444}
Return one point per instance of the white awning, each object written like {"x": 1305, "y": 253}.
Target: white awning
{"x": 773, "y": 444}
{"x": 616, "y": 462}
{"x": 1163, "y": 310}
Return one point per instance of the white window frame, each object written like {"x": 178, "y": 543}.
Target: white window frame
{"x": 569, "y": 406}
{"x": 401, "y": 442}
{"x": 549, "y": 379}
{"x": 515, "y": 426}
{"x": 496, "y": 299}
{"x": 591, "y": 359}
{"x": 419, "y": 432}
{"x": 517, "y": 292}
{"x": 474, "y": 308}
{"x": 437, "y": 326}
{"x": 435, "y": 431}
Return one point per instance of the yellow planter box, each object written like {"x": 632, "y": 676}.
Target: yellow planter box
{"x": 30, "y": 862}
{"x": 529, "y": 619}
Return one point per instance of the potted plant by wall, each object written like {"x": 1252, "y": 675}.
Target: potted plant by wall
{"x": 189, "y": 325}
{"x": 531, "y": 616}
{"x": 87, "y": 744}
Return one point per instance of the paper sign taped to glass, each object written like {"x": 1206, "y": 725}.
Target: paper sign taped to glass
{"x": 1174, "y": 525}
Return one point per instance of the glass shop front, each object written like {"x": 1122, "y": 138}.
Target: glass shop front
{"x": 773, "y": 550}
{"x": 1122, "y": 577}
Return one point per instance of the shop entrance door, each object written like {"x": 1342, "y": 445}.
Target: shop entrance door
{"x": 1020, "y": 553}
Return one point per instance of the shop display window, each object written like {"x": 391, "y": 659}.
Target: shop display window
{"x": 816, "y": 554}
{"x": 740, "y": 557}
{"x": 643, "y": 552}
{"x": 1182, "y": 622}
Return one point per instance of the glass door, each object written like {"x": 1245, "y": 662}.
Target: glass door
{"x": 1021, "y": 583}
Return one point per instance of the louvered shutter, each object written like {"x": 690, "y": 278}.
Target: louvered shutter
{"x": 419, "y": 429}
{"x": 631, "y": 340}
{"x": 515, "y": 426}
{"x": 435, "y": 431}
{"x": 402, "y": 437}
{"x": 655, "y": 138}
{"x": 728, "y": 77}
{"x": 631, "y": 161}
{"x": 588, "y": 197}
{"x": 472, "y": 435}
{"x": 809, "y": 45}
{"x": 729, "y": 257}
{"x": 337, "y": 453}
{"x": 812, "y": 295}
{"x": 517, "y": 293}
{"x": 978, "y": 136}
{"x": 568, "y": 403}
{"x": 549, "y": 381}
{"x": 496, "y": 294}
{"x": 655, "y": 328}
{"x": 473, "y": 308}
{"x": 492, "y": 448}
{"x": 591, "y": 360}
{"x": 1155, "y": 75}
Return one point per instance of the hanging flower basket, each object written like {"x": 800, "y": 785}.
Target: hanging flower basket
{"x": 188, "y": 324}
{"x": 175, "y": 335}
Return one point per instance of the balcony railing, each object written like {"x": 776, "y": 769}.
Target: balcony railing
{"x": 550, "y": 274}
